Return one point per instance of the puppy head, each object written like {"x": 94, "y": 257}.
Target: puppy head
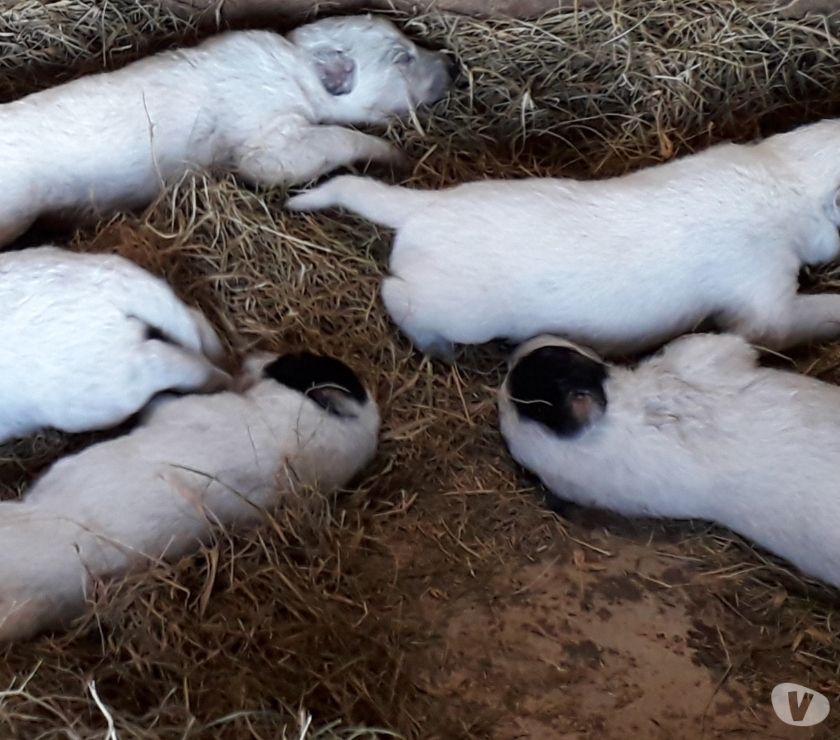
{"x": 325, "y": 419}
{"x": 326, "y": 381}
{"x": 369, "y": 69}
{"x": 557, "y": 384}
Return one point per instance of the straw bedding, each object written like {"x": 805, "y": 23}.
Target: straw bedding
{"x": 343, "y": 608}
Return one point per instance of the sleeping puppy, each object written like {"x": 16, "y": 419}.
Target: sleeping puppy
{"x": 194, "y": 463}
{"x": 699, "y": 431}
{"x": 621, "y": 264}
{"x": 269, "y": 108}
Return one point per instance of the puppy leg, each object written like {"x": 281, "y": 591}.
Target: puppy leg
{"x": 310, "y": 153}
{"x": 211, "y": 345}
{"x": 163, "y": 366}
{"x": 814, "y": 318}
{"x": 437, "y": 349}
{"x": 403, "y": 311}
{"x": 807, "y": 318}
{"x": 155, "y": 367}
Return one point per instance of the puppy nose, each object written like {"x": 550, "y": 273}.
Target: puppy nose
{"x": 453, "y": 69}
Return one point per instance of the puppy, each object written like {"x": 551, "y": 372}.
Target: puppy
{"x": 194, "y": 463}
{"x": 621, "y": 264}
{"x": 88, "y": 339}
{"x": 271, "y": 109}
{"x": 699, "y": 431}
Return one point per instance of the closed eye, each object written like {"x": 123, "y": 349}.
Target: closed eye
{"x": 403, "y": 57}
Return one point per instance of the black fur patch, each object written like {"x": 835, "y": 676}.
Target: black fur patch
{"x": 307, "y": 372}
{"x": 544, "y": 384}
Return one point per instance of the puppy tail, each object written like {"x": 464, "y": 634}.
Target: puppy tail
{"x": 154, "y": 303}
{"x": 387, "y": 205}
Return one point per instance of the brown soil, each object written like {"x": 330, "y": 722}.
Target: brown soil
{"x": 576, "y": 631}
{"x": 589, "y": 649}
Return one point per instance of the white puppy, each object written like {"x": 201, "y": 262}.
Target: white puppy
{"x": 88, "y": 339}
{"x": 157, "y": 493}
{"x": 270, "y": 108}
{"x": 700, "y": 431}
{"x": 619, "y": 264}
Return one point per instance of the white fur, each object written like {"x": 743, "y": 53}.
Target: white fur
{"x": 701, "y": 431}
{"x": 620, "y": 264}
{"x": 250, "y": 101}
{"x": 194, "y": 462}
{"x": 77, "y": 354}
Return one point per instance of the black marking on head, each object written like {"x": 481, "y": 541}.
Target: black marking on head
{"x": 558, "y": 387}
{"x": 323, "y": 379}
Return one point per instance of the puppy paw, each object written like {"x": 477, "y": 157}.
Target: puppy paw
{"x": 400, "y": 164}
{"x": 391, "y": 159}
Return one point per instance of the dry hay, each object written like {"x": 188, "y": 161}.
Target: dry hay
{"x": 341, "y": 608}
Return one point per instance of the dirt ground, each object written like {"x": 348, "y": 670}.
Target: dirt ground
{"x": 441, "y": 597}
{"x": 586, "y": 649}
{"x": 608, "y": 630}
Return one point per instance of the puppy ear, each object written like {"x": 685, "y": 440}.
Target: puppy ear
{"x": 334, "y": 400}
{"x": 335, "y": 69}
{"x": 326, "y": 381}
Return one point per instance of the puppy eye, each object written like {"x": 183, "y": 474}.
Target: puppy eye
{"x": 403, "y": 57}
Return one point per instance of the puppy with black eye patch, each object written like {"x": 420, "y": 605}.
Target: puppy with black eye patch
{"x": 559, "y": 387}
{"x": 271, "y": 109}
{"x": 193, "y": 463}
{"x": 699, "y": 431}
